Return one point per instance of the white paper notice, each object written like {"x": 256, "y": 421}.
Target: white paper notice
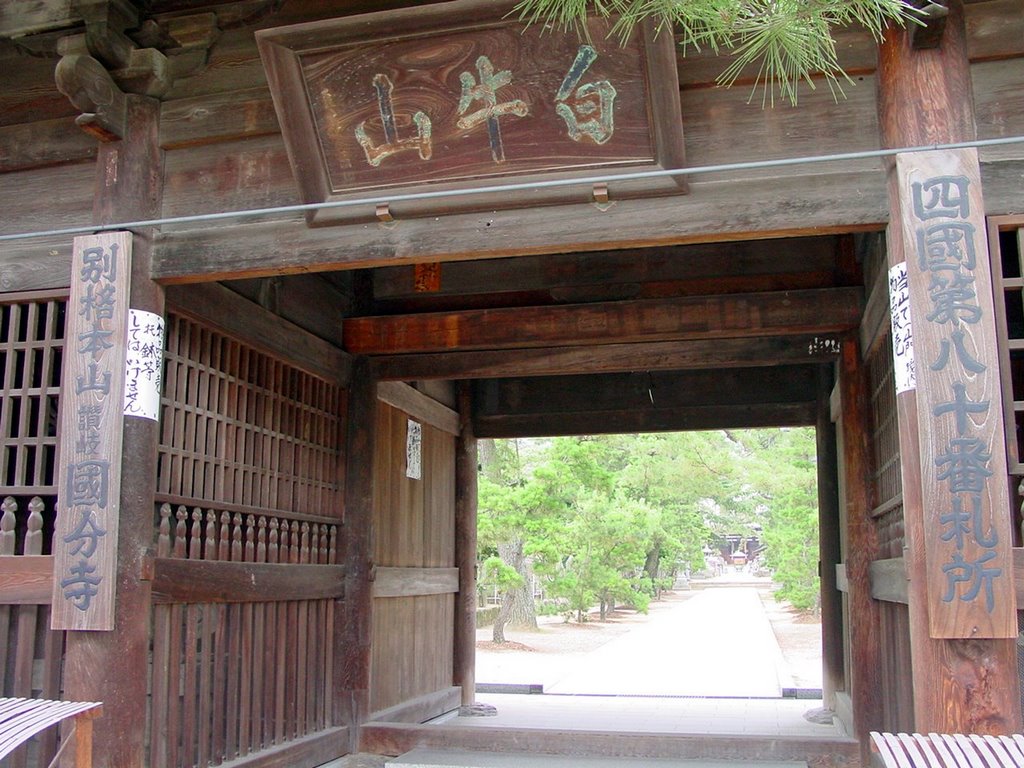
{"x": 413, "y": 451}
{"x": 904, "y": 371}
{"x": 144, "y": 364}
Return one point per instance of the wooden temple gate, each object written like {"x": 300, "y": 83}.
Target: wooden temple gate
{"x": 294, "y": 560}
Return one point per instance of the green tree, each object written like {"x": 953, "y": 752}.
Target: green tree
{"x": 784, "y": 41}
{"x": 782, "y": 469}
{"x": 514, "y": 506}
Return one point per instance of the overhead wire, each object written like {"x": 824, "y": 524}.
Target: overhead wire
{"x": 382, "y": 199}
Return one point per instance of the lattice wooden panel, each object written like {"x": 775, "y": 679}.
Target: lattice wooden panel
{"x": 31, "y": 347}
{"x": 1007, "y": 252}
{"x": 240, "y": 427}
{"x": 885, "y": 445}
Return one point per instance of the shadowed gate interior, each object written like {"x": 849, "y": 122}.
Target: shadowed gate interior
{"x": 305, "y": 578}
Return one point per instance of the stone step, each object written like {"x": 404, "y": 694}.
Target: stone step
{"x": 450, "y": 758}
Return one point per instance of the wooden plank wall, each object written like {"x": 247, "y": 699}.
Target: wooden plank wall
{"x": 224, "y": 152}
{"x": 245, "y": 584}
{"x": 894, "y": 619}
{"x": 414, "y": 524}
{"x": 31, "y": 655}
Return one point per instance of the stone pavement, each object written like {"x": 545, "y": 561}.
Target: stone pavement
{"x": 716, "y": 642}
{"x": 719, "y": 642}
{"x": 708, "y": 664}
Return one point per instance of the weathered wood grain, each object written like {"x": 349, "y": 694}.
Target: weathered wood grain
{"x": 952, "y": 612}
{"x": 225, "y": 310}
{"x": 889, "y": 580}
{"x": 642, "y": 272}
{"x": 203, "y": 581}
{"x": 861, "y": 546}
{"x": 217, "y": 117}
{"x": 610, "y": 358}
{"x": 421, "y": 708}
{"x": 46, "y": 142}
{"x": 26, "y": 580}
{"x": 730, "y": 316}
{"x": 409, "y": 582}
{"x": 419, "y": 406}
{"x": 398, "y": 738}
{"x": 943, "y": 671}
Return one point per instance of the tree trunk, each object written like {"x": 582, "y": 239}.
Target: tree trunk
{"x": 498, "y": 630}
{"x": 521, "y": 611}
{"x": 651, "y": 566}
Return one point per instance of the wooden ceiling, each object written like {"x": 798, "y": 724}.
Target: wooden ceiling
{"x": 685, "y": 337}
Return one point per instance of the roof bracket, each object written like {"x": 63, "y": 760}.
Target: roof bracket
{"x": 600, "y": 192}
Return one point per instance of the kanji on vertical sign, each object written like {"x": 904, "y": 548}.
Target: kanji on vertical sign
{"x": 960, "y": 425}
{"x": 91, "y": 420}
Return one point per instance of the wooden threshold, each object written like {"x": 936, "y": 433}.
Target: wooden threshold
{"x": 392, "y": 738}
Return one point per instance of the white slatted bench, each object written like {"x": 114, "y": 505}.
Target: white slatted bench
{"x": 903, "y": 750}
{"x": 21, "y": 719}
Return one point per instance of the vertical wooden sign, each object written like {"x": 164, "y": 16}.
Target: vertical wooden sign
{"x": 963, "y": 456}
{"x": 92, "y": 416}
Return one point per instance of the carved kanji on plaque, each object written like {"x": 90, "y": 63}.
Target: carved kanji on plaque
{"x": 463, "y": 96}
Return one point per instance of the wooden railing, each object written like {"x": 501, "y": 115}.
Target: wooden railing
{"x": 243, "y": 646}
{"x": 30, "y": 653}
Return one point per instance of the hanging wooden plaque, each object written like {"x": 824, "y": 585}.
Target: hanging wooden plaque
{"x": 956, "y": 379}
{"x": 91, "y": 431}
{"x": 457, "y": 96}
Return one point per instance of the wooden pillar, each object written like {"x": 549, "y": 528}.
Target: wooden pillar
{"x": 829, "y": 555}
{"x": 353, "y": 628}
{"x": 466, "y": 460}
{"x": 925, "y": 97}
{"x": 111, "y": 666}
{"x": 862, "y": 546}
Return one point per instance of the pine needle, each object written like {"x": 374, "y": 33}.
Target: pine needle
{"x": 785, "y": 42}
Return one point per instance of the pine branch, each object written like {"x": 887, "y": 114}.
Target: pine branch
{"x": 785, "y": 41}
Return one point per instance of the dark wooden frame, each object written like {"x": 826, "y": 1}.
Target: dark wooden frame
{"x": 1000, "y": 285}
{"x": 282, "y": 49}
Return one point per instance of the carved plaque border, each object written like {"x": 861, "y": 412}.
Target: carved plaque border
{"x": 423, "y": 70}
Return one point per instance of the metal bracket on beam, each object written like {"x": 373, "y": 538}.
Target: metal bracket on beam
{"x": 601, "y": 199}
{"x": 383, "y": 213}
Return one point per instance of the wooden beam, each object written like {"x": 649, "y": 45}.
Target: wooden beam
{"x": 26, "y": 579}
{"x": 353, "y": 621}
{"x": 210, "y": 581}
{"x": 644, "y": 391}
{"x": 411, "y": 582}
{"x": 821, "y": 203}
{"x": 315, "y": 749}
{"x": 466, "y": 464}
{"x": 889, "y": 580}
{"x": 710, "y": 317}
{"x": 413, "y": 402}
{"x": 399, "y": 738}
{"x": 960, "y": 686}
{"x": 225, "y": 310}
{"x": 644, "y": 402}
{"x": 662, "y": 420}
{"x": 421, "y": 708}
{"x": 217, "y": 117}
{"x": 610, "y": 358}
{"x": 861, "y": 545}
{"x": 829, "y": 542}
{"x": 105, "y": 665}
{"x": 875, "y": 323}
{"x": 632, "y": 266}
{"x": 46, "y": 142}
